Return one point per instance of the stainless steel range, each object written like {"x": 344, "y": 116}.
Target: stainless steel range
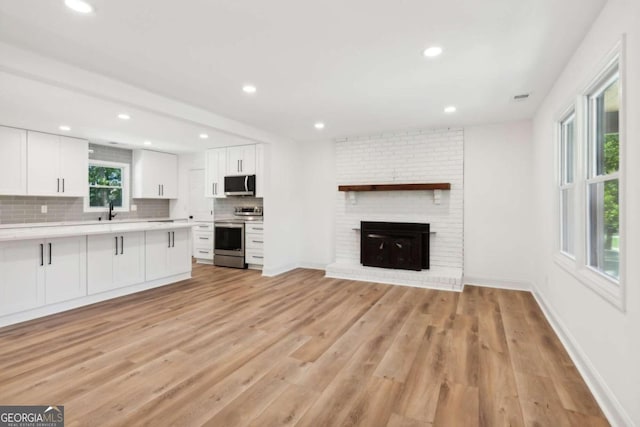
{"x": 229, "y": 242}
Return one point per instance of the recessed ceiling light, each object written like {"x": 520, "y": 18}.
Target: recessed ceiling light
{"x": 79, "y": 6}
{"x": 64, "y": 128}
{"x": 432, "y": 52}
{"x": 147, "y": 143}
{"x": 450, "y": 109}
{"x": 249, "y": 89}
{"x": 124, "y": 116}
{"x": 319, "y": 125}
{"x": 204, "y": 136}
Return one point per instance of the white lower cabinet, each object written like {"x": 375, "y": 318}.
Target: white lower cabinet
{"x": 22, "y": 278}
{"x": 37, "y": 272}
{"x": 254, "y": 244}
{"x": 115, "y": 261}
{"x": 65, "y": 269}
{"x": 168, "y": 252}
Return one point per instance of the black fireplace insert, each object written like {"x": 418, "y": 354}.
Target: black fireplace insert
{"x": 398, "y": 245}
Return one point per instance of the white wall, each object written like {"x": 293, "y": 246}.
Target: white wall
{"x": 283, "y": 211}
{"x": 498, "y": 204}
{"x": 606, "y": 340}
{"x": 318, "y": 176}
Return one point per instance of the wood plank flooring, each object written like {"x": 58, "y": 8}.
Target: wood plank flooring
{"x": 231, "y": 348}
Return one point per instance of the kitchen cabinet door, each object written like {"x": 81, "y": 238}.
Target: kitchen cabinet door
{"x": 65, "y": 269}
{"x": 74, "y": 166}
{"x": 22, "y": 278}
{"x": 156, "y": 249}
{"x": 241, "y": 160}
{"x": 13, "y": 152}
{"x": 179, "y": 255}
{"x": 216, "y": 168}
{"x": 155, "y": 175}
{"x": 129, "y": 263}
{"x": 43, "y": 164}
{"x": 101, "y": 251}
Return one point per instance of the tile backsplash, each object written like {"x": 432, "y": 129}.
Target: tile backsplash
{"x": 26, "y": 209}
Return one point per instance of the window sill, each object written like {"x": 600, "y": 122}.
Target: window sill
{"x": 608, "y": 289}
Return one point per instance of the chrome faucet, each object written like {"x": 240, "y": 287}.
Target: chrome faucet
{"x": 111, "y": 214}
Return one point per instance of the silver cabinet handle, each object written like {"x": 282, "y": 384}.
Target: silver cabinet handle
{"x": 158, "y": 189}
{"x": 116, "y": 237}
{"x": 258, "y": 241}
{"x": 121, "y": 245}
{"x": 41, "y": 254}
{"x": 169, "y": 236}
{"x": 203, "y": 238}
{"x": 204, "y": 252}
{"x": 241, "y": 166}
{"x": 63, "y": 185}
{"x": 50, "y": 252}
{"x": 58, "y": 190}
{"x": 258, "y": 228}
{"x": 173, "y": 235}
{"x": 213, "y": 188}
{"x": 257, "y": 256}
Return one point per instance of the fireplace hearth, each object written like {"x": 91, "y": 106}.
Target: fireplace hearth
{"x": 397, "y": 245}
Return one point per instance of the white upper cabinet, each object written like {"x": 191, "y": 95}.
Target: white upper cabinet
{"x": 155, "y": 175}
{"x": 241, "y": 160}
{"x": 56, "y": 165}
{"x": 13, "y": 152}
{"x": 215, "y": 170}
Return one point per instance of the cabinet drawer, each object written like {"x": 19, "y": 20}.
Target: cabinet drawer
{"x": 203, "y": 227}
{"x": 203, "y": 253}
{"x": 254, "y": 258}
{"x": 254, "y": 241}
{"x": 200, "y": 238}
{"x": 254, "y": 227}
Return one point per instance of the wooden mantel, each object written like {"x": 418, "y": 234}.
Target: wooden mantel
{"x": 396, "y": 187}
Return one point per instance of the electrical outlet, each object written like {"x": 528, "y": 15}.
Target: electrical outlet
{"x": 43, "y": 209}
{"x": 134, "y": 208}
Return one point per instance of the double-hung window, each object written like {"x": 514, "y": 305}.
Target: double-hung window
{"x": 567, "y": 184}
{"x": 603, "y": 175}
{"x": 108, "y": 183}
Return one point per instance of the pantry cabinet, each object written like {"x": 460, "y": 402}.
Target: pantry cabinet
{"x": 56, "y": 165}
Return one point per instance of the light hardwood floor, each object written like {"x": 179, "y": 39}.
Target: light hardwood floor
{"x": 230, "y": 348}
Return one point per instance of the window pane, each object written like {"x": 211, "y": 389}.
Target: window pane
{"x": 100, "y": 197}
{"x": 604, "y": 227}
{"x": 605, "y": 124}
{"x": 567, "y": 214}
{"x": 100, "y": 175}
{"x": 567, "y": 151}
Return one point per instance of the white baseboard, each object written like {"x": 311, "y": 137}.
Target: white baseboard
{"x": 275, "y": 271}
{"x": 514, "y": 285}
{"x": 607, "y": 400}
{"x": 313, "y": 265}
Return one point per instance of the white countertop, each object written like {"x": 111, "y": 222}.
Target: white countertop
{"x": 90, "y": 222}
{"x": 84, "y": 229}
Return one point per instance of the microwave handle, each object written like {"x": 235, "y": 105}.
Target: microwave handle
{"x": 246, "y": 183}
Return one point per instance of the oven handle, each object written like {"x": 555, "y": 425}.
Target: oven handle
{"x": 228, "y": 225}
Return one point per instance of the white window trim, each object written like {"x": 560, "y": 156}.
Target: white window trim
{"x": 612, "y": 291}
{"x": 125, "y": 186}
{"x": 569, "y": 113}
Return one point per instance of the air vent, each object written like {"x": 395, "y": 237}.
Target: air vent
{"x": 521, "y": 97}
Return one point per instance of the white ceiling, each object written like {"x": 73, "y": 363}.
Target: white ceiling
{"x": 356, "y": 65}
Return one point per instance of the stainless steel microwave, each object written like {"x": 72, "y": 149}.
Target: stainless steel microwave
{"x": 243, "y": 185}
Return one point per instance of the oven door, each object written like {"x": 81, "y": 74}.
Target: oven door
{"x": 229, "y": 239}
